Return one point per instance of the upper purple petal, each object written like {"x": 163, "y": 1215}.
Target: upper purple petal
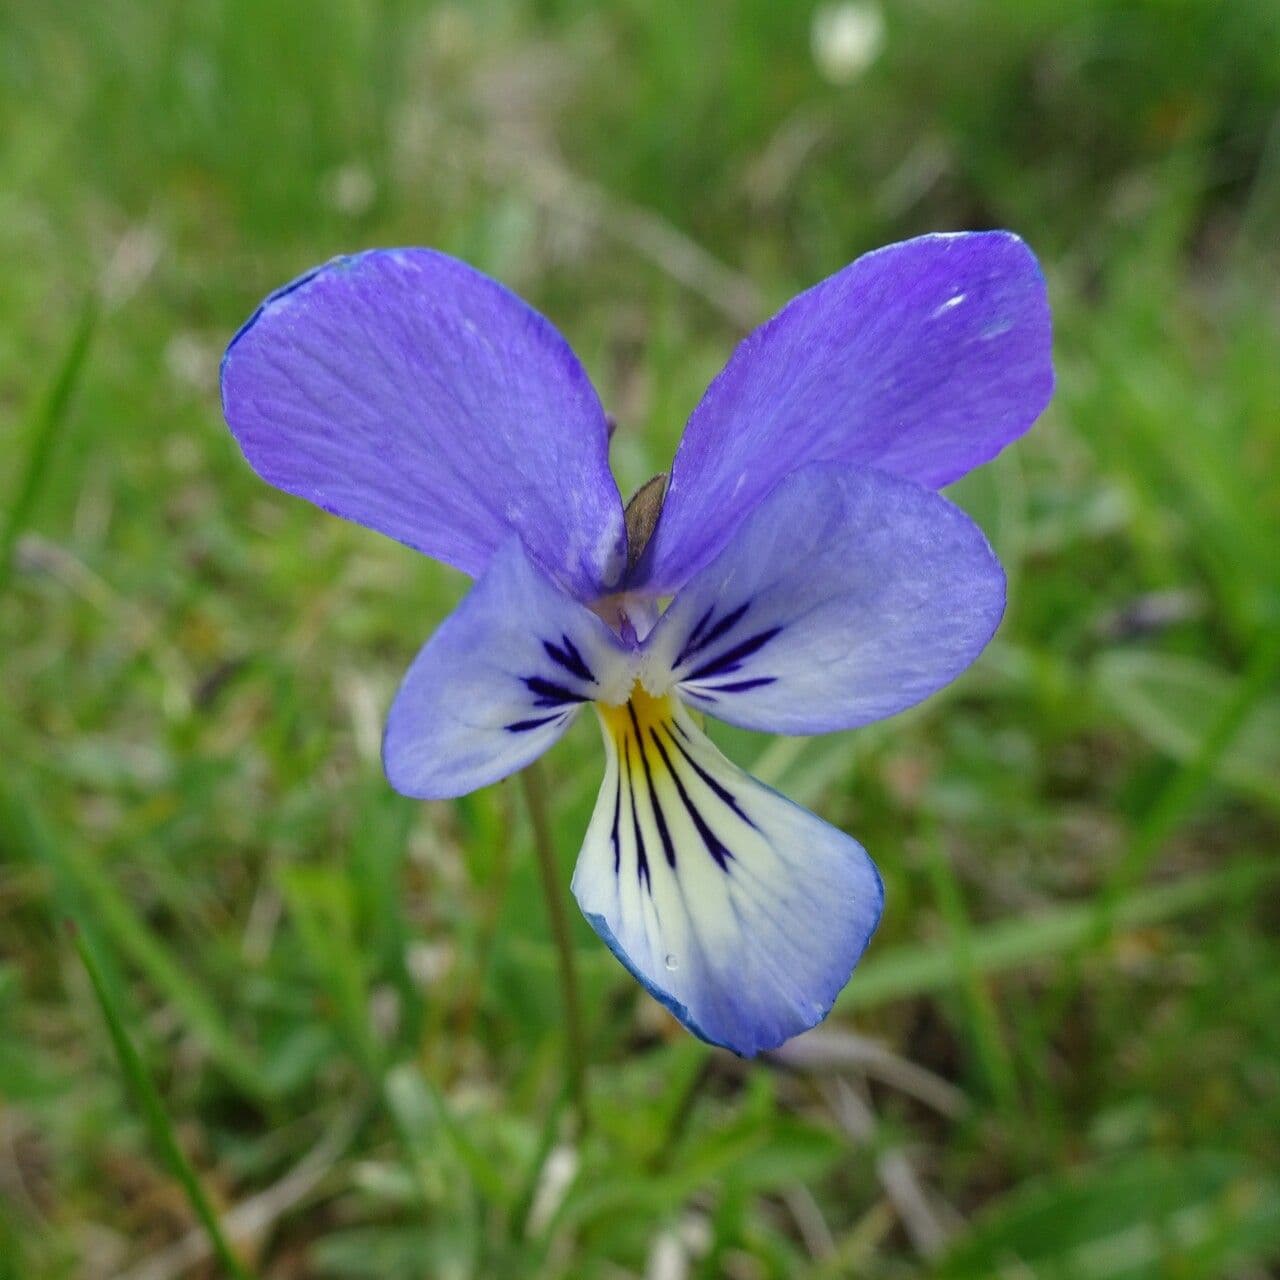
{"x": 923, "y": 359}
{"x": 406, "y": 391}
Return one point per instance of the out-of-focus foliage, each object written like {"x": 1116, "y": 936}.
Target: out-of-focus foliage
{"x": 348, "y": 1000}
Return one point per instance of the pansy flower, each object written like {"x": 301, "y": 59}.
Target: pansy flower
{"x": 800, "y": 575}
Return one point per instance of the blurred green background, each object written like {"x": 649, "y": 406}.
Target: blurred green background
{"x": 1061, "y": 1057}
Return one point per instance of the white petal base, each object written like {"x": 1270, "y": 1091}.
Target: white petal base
{"x": 740, "y": 911}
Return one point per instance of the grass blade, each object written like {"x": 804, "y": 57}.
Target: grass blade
{"x": 80, "y": 880}
{"x": 988, "y": 1039}
{"x": 915, "y": 970}
{"x": 1175, "y": 801}
{"x": 44, "y": 433}
{"x": 153, "y": 1111}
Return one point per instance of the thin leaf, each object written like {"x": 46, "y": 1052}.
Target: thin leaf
{"x": 80, "y": 880}
{"x": 153, "y": 1111}
{"x": 1011, "y": 944}
{"x": 983, "y": 1019}
{"x": 48, "y": 421}
{"x": 1173, "y": 701}
{"x": 1194, "y": 1214}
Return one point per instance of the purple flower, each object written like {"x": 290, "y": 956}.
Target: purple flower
{"x": 818, "y": 580}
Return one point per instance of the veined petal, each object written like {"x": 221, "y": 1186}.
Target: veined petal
{"x": 923, "y": 359}
{"x": 846, "y": 596}
{"x": 741, "y": 912}
{"x": 408, "y": 392}
{"x": 499, "y": 682}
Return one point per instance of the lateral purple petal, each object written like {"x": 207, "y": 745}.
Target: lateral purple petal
{"x": 502, "y": 678}
{"x": 846, "y": 596}
{"x": 923, "y": 359}
{"x": 408, "y": 392}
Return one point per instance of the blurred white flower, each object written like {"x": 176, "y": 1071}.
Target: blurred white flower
{"x": 846, "y": 39}
{"x": 135, "y": 257}
{"x": 667, "y": 1259}
{"x": 363, "y": 699}
{"x": 350, "y": 189}
{"x": 557, "y": 1173}
{"x": 696, "y": 1234}
{"x": 428, "y": 962}
{"x": 384, "y": 1010}
{"x": 192, "y": 362}
{"x": 451, "y": 32}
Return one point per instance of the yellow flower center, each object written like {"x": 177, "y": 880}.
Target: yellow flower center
{"x": 636, "y": 720}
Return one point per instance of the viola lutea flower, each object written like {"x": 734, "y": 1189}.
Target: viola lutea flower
{"x": 817, "y": 581}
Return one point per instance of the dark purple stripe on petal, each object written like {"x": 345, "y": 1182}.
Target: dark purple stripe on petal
{"x": 523, "y": 726}
{"x": 660, "y": 818}
{"x": 715, "y": 846}
{"x": 642, "y": 859}
{"x": 549, "y": 693}
{"x": 613, "y": 831}
{"x": 567, "y": 656}
{"x": 702, "y": 622}
{"x": 728, "y": 661}
{"x": 723, "y": 792}
{"x": 692, "y": 638}
{"x": 741, "y": 686}
{"x": 725, "y": 625}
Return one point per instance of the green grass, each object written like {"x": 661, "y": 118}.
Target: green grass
{"x": 347, "y": 1002}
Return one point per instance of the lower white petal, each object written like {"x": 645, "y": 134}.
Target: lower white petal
{"x": 740, "y": 911}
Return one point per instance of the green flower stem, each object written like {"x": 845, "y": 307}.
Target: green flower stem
{"x": 574, "y": 1042}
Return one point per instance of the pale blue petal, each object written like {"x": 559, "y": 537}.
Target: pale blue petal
{"x": 846, "y": 596}
{"x": 499, "y": 682}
